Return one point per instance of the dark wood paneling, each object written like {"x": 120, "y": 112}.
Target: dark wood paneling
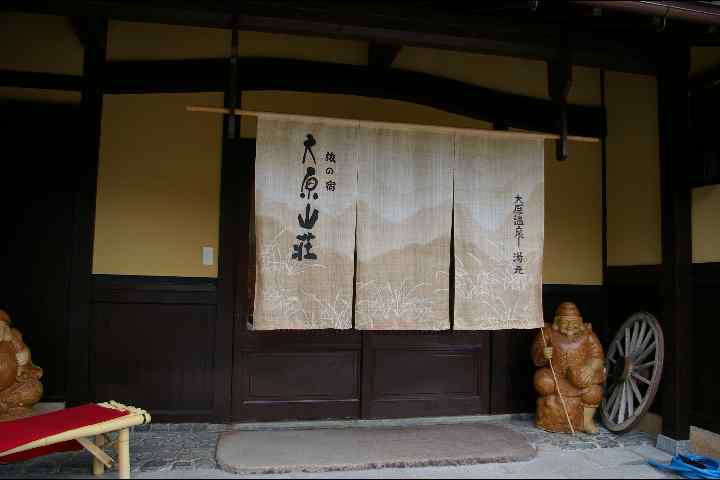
{"x": 676, "y": 233}
{"x": 705, "y": 331}
{"x": 622, "y": 43}
{"x": 457, "y": 97}
{"x": 88, "y": 158}
{"x": 43, "y": 80}
{"x": 296, "y": 375}
{"x": 408, "y": 374}
{"x": 153, "y": 345}
{"x": 148, "y": 289}
{"x": 36, "y": 208}
{"x": 156, "y": 356}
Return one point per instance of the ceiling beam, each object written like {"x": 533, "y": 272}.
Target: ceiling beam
{"x": 382, "y": 55}
{"x": 524, "y": 36}
{"x": 87, "y": 30}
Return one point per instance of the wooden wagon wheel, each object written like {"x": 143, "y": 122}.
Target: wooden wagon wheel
{"x": 634, "y": 365}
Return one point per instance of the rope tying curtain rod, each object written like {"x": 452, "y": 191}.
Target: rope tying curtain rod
{"x": 398, "y": 125}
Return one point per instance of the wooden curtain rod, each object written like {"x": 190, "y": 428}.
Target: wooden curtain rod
{"x": 399, "y": 125}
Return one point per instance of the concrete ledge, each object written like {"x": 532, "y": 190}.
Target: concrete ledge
{"x": 672, "y": 446}
{"x": 392, "y": 422}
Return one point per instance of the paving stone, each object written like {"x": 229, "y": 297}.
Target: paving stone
{"x": 155, "y": 465}
{"x": 218, "y": 427}
{"x": 12, "y": 470}
{"x": 614, "y": 457}
{"x": 205, "y": 464}
{"x": 41, "y": 468}
{"x": 181, "y": 427}
{"x": 580, "y": 446}
{"x": 182, "y": 466}
{"x": 141, "y": 428}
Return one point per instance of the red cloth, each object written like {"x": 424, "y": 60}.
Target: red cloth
{"x": 16, "y": 433}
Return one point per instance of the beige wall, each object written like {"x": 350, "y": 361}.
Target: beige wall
{"x": 706, "y": 224}
{"x": 633, "y": 170}
{"x": 703, "y": 58}
{"x": 39, "y": 43}
{"x": 131, "y": 239}
{"x": 706, "y": 200}
{"x": 158, "y": 185}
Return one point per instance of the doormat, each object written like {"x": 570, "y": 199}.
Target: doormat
{"x": 323, "y": 450}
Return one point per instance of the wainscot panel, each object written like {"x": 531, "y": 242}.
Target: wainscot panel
{"x": 153, "y": 340}
{"x": 306, "y": 375}
{"x": 705, "y": 334}
{"x": 425, "y": 374}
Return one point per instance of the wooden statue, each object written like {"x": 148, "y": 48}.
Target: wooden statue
{"x": 20, "y": 386}
{"x": 578, "y": 360}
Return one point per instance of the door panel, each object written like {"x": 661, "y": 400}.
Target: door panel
{"x": 292, "y": 375}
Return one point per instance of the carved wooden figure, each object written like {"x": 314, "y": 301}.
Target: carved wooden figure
{"x": 579, "y": 362}
{"x": 20, "y": 386}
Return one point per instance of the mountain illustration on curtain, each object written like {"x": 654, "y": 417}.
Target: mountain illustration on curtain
{"x": 499, "y": 230}
{"x": 305, "y": 225}
{"x": 325, "y": 191}
{"x": 403, "y": 231}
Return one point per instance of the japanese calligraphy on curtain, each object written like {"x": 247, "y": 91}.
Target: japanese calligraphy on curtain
{"x": 305, "y": 191}
{"x": 326, "y": 190}
{"x": 499, "y": 232}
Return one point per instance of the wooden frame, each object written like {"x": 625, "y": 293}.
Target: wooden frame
{"x": 99, "y": 432}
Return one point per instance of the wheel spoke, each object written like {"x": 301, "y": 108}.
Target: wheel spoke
{"x": 611, "y": 399}
{"x": 636, "y": 390}
{"x": 641, "y": 378}
{"x": 627, "y": 342}
{"x": 649, "y": 338}
{"x": 623, "y": 403}
{"x": 631, "y": 407}
{"x": 633, "y": 337}
{"x": 645, "y": 365}
{"x": 646, "y": 352}
{"x": 641, "y": 336}
{"x": 616, "y": 403}
{"x": 619, "y": 347}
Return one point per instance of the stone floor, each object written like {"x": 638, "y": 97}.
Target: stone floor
{"x": 188, "y": 451}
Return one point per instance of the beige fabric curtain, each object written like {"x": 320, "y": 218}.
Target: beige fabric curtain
{"x": 305, "y": 189}
{"x": 499, "y": 231}
{"x": 403, "y": 230}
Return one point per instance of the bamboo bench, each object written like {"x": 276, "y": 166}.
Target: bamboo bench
{"x": 88, "y": 426}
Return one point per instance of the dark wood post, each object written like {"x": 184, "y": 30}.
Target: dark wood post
{"x": 676, "y": 289}
{"x": 80, "y": 288}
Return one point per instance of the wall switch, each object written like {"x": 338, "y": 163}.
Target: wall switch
{"x": 208, "y": 256}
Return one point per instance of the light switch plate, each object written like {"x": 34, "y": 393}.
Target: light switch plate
{"x": 208, "y": 256}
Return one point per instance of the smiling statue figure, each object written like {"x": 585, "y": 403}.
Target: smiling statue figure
{"x": 579, "y": 362}
{"x": 20, "y": 386}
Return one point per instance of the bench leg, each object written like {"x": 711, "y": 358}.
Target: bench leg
{"x": 98, "y": 467}
{"x": 123, "y": 451}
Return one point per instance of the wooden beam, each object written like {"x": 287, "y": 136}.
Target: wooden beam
{"x": 42, "y": 80}
{"x": 425, "y": 26}
{"x": 452, "y": 96}
{"x": 382, "y": 56}
{"x": 81, "y": 284}
{"x": 675, "y": 203}
{"x": 559, "y": 83}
